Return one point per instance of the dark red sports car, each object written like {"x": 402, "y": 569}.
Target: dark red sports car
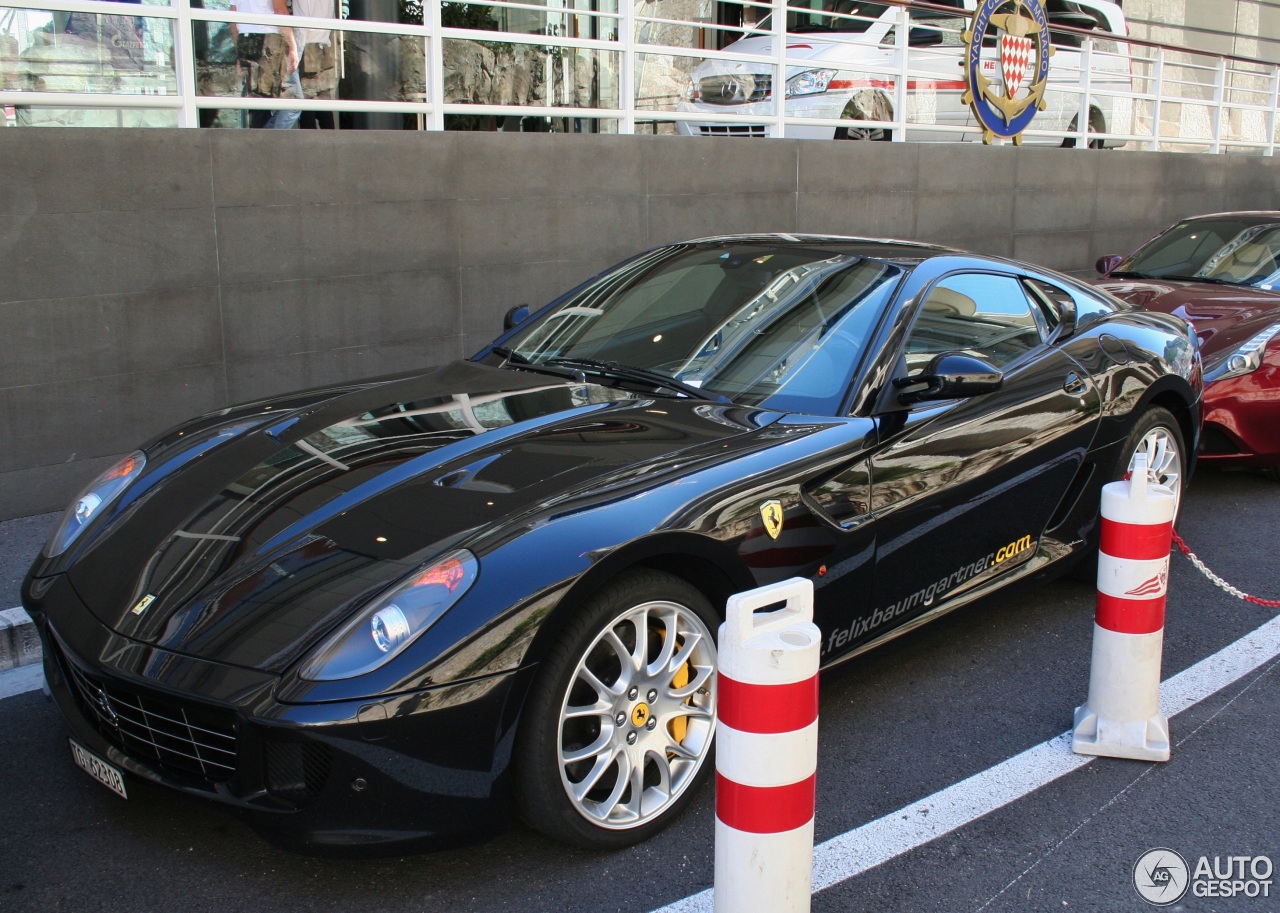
{"x": 1221, "y": 273}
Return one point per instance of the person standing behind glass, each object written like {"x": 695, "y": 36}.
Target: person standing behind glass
{"x": 321, "y": 55}
{"x": 269, "y": 59}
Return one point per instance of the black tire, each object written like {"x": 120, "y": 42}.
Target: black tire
{"x": 576, "y": 766}
{"x": 1097, "y": 124}
{"x": 1158, "y": 434}
{"x": 871, "y": 106}
{"x": 1154, "y": 424}
{"x": 872, "y": 134}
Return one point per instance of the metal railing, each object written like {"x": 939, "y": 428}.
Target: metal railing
{"x": 635, "y": 69}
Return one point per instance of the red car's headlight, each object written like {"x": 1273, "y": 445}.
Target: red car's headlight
{"x": 1246, "y": 359}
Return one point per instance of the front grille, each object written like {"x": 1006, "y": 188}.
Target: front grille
{"x": 735, "y": 89}
{"x": 185, "y": 740}
{"x": 753, "y": 130}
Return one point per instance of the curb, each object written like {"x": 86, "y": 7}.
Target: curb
{"x": 19, "y": 643}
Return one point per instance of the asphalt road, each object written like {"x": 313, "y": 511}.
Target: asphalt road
{"x": 926, "y": 712}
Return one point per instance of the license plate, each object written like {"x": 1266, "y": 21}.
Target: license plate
{"x": 99, "y": 769}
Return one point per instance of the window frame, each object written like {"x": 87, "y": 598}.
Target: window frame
{"x": 1032, "y": 310}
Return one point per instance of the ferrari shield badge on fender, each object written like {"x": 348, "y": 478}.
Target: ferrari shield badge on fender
{"x": 771, "y": 514}
{"x": 143, "y": 604}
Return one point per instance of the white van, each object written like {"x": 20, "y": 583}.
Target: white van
{"x": 837, "y": 40}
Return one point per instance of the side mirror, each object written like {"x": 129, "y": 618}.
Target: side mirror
{"x": 1107, "y": 264}
{"x": 950, "y": 375}
{"x": 514, "y": 317}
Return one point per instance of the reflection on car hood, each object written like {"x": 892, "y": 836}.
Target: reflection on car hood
{"x": 799, "y": 47}
{"x": 1224, "y": 316}
{"x": 258, "y": 546}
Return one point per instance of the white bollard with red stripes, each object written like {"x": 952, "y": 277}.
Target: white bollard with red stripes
{"x": 1121, "y": 717}
{"x": 766, "y": 750}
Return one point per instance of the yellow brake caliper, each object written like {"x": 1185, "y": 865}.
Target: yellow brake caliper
{"x": 680, "y": 725}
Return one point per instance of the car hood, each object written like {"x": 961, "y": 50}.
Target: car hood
{"x": 1224, "y": 316}
{"x": 284, "y": 521}
{"x": 852, "y": 47}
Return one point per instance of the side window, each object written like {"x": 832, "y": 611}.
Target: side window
{"x": 1052, "y": 302}
{"x": 979, "y": 314}
{"x": 1089, "y": 309}
{"x": 933, "y": 28}
{"x": 1062, "y": 12}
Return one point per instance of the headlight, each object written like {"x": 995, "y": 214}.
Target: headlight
{"x": 394, "y": 620}
{"x": 810, "y": 82}
{"x": 92, "y": 501}
{"x": 1246, "y": 359}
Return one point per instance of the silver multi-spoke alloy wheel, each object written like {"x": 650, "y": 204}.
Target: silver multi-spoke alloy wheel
{"x": 616, "y": 733}
{"x": 1162, "y": 446}
{"x": 637, "y": 719}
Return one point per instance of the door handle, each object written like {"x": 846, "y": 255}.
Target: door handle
{"x": 1074, "y": 384}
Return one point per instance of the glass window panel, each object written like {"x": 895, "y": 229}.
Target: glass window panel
{"x": 594, "y": 19}
{"x": 334, "y": 64}
{"x": 87, "y": 53}
{"x": 384, "y": 67}
{"x": 56, "y": 51}
{"x": 662, "y": 81}
{"x": 382, "y": 11}
{"x": 502, "y": 73}
{"x": 687, "y": 23}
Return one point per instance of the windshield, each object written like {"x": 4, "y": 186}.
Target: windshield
{"x": 770, "y": 324}
{"x": 1237, "y": 251}
{"x": 826, "y": 16}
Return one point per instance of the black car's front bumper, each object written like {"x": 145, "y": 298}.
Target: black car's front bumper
{"x": 424, "y": 768}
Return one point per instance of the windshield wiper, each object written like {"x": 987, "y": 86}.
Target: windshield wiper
{"x": 575, "y": 368}
{"x": 1133, "y": 274}
{"x": 1214, "y": 279}
{"x": 635, "y": 375}
{"x": 515, "y": 359}
{"x": 511, "y": 355}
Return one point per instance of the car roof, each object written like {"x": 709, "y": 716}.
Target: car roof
{"x": 1261, "y": 215}
{"x": 888, "y": 249}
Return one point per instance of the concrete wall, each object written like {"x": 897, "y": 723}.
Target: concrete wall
{"x": 148, "y": 275}
{"x": 1250, "y": 28}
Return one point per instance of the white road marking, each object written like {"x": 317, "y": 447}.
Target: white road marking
{"x": 876, "y": 842}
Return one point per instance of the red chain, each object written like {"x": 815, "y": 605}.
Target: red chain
{"x": 1191, "y": 556}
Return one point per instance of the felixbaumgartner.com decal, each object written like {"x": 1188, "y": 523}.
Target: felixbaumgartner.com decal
{"x": 926, "y": 596}
{"x": 1162, "y": 876}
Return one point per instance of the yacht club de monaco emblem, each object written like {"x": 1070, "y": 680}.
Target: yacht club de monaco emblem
{"x": 1006, "y": 95}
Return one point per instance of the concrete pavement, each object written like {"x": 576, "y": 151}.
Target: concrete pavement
{"x": 20, "y": 541}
